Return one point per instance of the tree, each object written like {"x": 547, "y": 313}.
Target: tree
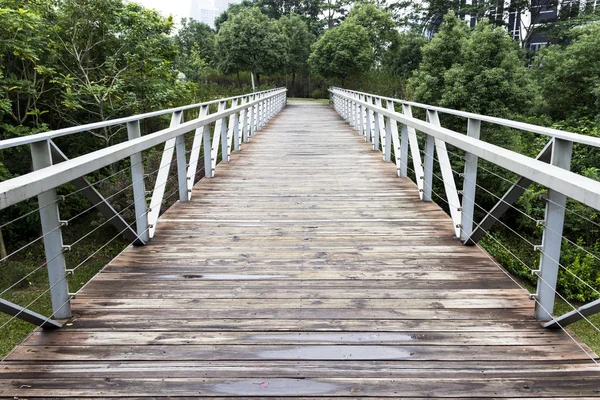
{"x": 232, "y": 9}
{"x": 115, "y": 60}
{"x": 489, "y": 78}
{"x": 405, "y": 55}
{"x": 439, "y": 55}
{"x": 342, "y": 52}
{"x": 195, "y": 42}
{"x": 379, "y": 25}
{"x": 569, "y": 75}
{"x": 299, "y": 41}
{"x": 250, "y": 41}
{"x": 334, "y": 11}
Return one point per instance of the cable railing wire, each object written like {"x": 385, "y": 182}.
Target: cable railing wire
{"x": 519, "y": 235}
{"x": 523, "y": 263}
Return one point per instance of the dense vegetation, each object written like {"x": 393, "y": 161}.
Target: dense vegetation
{"x": 71, "y": 62}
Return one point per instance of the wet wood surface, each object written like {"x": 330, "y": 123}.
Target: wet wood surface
{"x": 307, "y": 269}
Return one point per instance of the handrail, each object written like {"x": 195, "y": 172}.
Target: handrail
{"x": 29, "y": 185}
{"x": 233, "y": 123}
{"x": 523, "y": 126}
{"x": 376, "y": 118}
{"x": 580, "y": 188}
{"x": 38, "y": 137}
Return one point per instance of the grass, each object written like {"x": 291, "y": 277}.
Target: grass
{"x": 35, "y": 288}
{"x": 309, "y": 100}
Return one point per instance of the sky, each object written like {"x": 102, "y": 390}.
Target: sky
{"x": 178, "y": 8}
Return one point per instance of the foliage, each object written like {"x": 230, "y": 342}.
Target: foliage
{"x": 342, "y": 52}
{"x": 405, "y": 55}
{"x": 299, "y": 40}
{"x": 379, "y": 25}
{"x": 570, "y": 75}
{"x": 195, "y": 42}
{"x": 250, "y": 41}
{"x": 439, "y": 55}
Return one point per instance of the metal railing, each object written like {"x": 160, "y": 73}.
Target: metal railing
{"x": 376, "y": 118}
{"x": 235, "y": 121}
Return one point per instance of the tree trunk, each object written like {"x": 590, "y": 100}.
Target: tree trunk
{"x": 293, "y": 83}
{"x": 238, "y": 79}
{"x": 257, "y": 79}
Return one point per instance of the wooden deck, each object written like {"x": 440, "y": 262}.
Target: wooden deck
{"x": 304, "y": 268}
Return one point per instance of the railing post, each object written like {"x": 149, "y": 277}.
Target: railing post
{"x": 162, "y": 176}
{"x": 395, "y": 139}
{"x": 52, "y": 234}
{"x": 552, "y": 237}
{"x": 181, "y": 168}
{"x": 354, "y": 112}
{"x": 195, "y": 153}
{"x": 231, "y": 132}
{"x": 447, "y": 176}
{"x": 244, "y": 117}
{"x": 252, "y": 130}
{"x": 236, "y": 127}
{"x": 369, "y": 125}
{"x": 361, "y": 116}
{"x": 404, "y": 145}
{"x": 380, "y": 128}
{"x": 139, "y": 187}
{"x": 387, "y": 147}
{"x": 224, "y": 138}
{"x": 469, "y": 183}
{"x": 428, "y": 167}
{"x": 208, "y": 163}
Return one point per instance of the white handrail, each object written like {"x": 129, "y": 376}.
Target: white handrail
{"x": 523, "y": 126}
{"x": 29, "y": 185}
{"x": 39, "y": 137}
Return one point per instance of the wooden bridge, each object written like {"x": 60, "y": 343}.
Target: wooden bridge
{"x": 305, "y": 268}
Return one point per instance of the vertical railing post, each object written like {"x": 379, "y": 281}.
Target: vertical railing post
{"x": 208, "y": 164}
{"x": 181, "y": 168}
{"x": 245, "y": 117}
{"x": 428, "y": 167}
{"x": 395, "y": 140}
{"x": 552, "y": 237}
{"x": 231, "y": 131}
{"x": 469, "y": 183}
{"x": 52, "y": 234}
{"x": 369, "y": 125}
{"x": 195, "y": 152}
{"x": 354, "y": 112}
{"x": 238, "y": 127}
{"x": 404, "y": 145}
{"x": 224, "y": 138}
{"x": 252, "y": 130}
{"x": 139, "y": 187}
{"x": 361, "y": 116}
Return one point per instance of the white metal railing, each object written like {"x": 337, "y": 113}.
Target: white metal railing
{"x": 236, "y": 120}
{"x": 375, "y": 117}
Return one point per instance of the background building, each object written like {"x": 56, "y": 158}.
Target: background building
{"x": 207, "y": 10}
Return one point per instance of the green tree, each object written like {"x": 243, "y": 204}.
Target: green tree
{"x": 569, "y": 75}
{"x": 489, "y": 78}
{"x": 299, "y": 41}
{"x": 439, "y": 55}
{"x": 379, "y": 25}
{"x": 334, "y": 11}
{"x": 342, "y": 52}
{"x": 195, "y": 43}
{"x": 115, "y": 59}
{"x": 250, "y": 41}
{"x": 405, "y": 55}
